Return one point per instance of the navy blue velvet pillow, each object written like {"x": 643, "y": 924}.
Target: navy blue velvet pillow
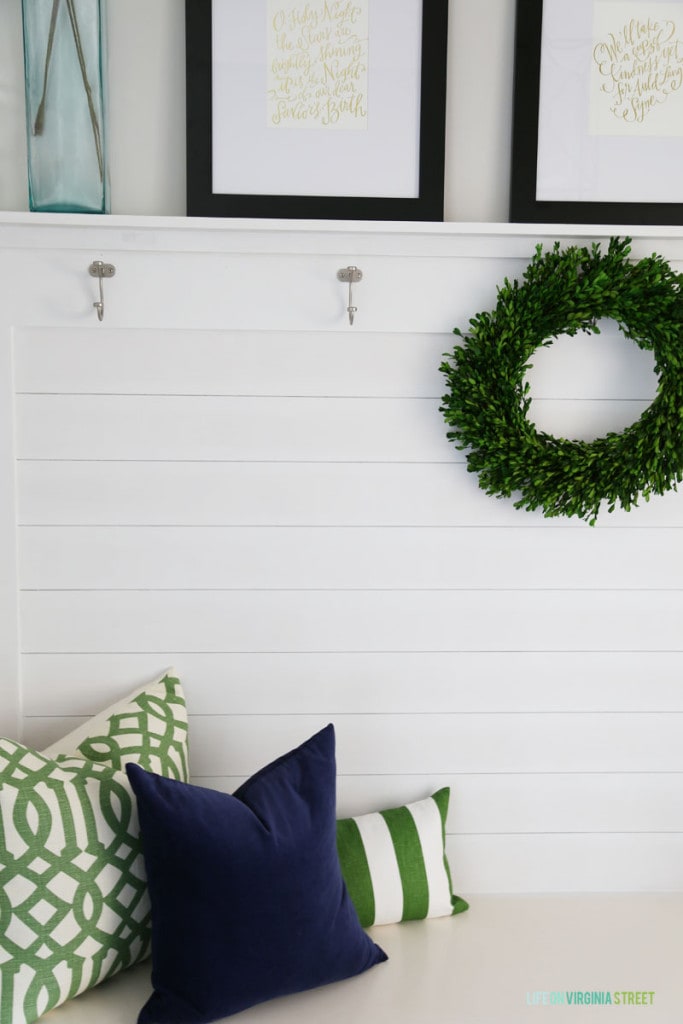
{"x": 248, "y": 900}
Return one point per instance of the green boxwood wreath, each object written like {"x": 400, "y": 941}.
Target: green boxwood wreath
{"x": 564, "y": 292}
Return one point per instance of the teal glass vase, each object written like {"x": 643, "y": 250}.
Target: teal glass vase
{"x": 65, "y": 72}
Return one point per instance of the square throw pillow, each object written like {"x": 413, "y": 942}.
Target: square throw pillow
{"x": 394, "y": 862}
{"x": 74, "y": 907}
{"x": 248, "y": 901}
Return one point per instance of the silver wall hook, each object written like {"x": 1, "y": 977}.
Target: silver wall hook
{"x": 101, "y": 270}
{"x": 350, "y": 276}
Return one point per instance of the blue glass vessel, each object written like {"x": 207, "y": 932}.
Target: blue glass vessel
{"x": 65, "y": 72}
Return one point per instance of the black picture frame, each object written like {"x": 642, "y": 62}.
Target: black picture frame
{"x": 524, "y": 206}
{"x": 203, "y": 201}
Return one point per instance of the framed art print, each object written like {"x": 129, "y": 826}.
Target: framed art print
{"x": 598, "y": 112}
{"x": 318, "y": 109}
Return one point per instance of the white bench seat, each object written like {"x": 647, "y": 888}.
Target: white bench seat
{"x": 494, "y": 964}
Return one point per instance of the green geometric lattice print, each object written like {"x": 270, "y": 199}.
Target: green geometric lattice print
{"x": 74, "y": 907}
{"x": 148, "y": 728}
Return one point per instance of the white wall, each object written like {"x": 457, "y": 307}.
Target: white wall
{"x": 225, "y": 477}
{"x": 147, "y": 108}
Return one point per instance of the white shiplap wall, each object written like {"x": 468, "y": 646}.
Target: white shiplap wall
{"x": 225, "y": 477}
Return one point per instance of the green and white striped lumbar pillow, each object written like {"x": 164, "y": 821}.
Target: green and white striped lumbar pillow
{"x": 394, "y": 862}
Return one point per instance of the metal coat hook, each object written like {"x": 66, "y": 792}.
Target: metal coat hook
{"x": 350, "y": 275}
{"x": 101, "y": 270}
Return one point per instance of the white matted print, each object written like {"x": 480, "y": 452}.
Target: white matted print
{"x": 637, "y": 70}
{"x": 317, "y": 71}
{"x": 377, "y": 152}
{"x": 611, "y": 102}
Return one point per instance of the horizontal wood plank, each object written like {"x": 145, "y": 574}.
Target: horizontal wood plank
{"x": 206, "y": 557}
{"x": 101, "y": 360}
{"x": 378, "y": 683}
{"x": 428, "y": 744}
{"x": 288, "y": 494}
{"x": 210, "y": 428}
{"x": 319, "y": 620}
{"x": 620, "y": 863}
{"x": 225, "y": 428}
{"x": 517, "y": 804}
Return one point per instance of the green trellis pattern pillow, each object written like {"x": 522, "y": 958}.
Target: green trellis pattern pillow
{"x": 74, "y": 907}
{"x": 394, "y": 862}
{"x": 148, "y": 727}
